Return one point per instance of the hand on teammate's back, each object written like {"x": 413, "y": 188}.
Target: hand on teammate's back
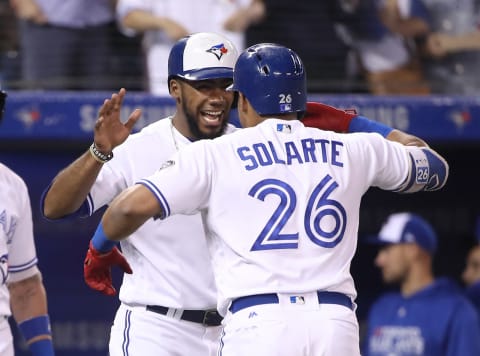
{"x": 327, "y": 117}
{"x": 97, "y": 269}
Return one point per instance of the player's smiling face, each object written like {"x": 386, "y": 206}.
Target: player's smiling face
{"x": 206, "y": 106}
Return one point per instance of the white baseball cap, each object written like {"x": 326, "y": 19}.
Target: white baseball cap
{"x": 202, "y": 55}
{"x": 402, "y": 228}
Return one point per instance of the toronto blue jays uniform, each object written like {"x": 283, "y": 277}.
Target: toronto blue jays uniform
{"x": 281, "y": 204}
{"x": 18, "y": 258}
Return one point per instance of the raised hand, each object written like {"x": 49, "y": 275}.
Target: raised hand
{"x": 109, "y": 130}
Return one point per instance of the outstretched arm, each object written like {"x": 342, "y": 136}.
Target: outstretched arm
{"x": 246, "y": 16}
{"x": 141, "y": 21}
{"x": 327, "y": 117}
{"x": 441, "y": 44}
{"x": 72, "y": 185}
{"x": 128, "y": 211}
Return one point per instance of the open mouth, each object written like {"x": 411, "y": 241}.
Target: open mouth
{"x": 213, "y": 117}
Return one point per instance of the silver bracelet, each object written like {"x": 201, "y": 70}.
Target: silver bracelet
{"x": 99, "y": 156}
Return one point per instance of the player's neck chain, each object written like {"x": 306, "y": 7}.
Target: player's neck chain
{"x": 172, "y": 130}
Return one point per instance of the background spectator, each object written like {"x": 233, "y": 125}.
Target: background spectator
{"x": 387, "y": 59}
{"x": 309, "y": 29}
{"x": 9, "y": 67}
{"x": 65, "y": 44}
{"x": 165, "y": 21}
{"x": 471, "y": 273}
{"x": 427, "y": 316}
{"x": 457, "y": 72}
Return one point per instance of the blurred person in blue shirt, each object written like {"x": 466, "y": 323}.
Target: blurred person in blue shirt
{"x": 428, "y": 316}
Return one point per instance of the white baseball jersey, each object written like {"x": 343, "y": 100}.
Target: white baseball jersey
{"x": 170, "y": 261}
{"x": 194, "y": 16}
{"x": 18, "y": 259}
{"x": 280, "y": 203}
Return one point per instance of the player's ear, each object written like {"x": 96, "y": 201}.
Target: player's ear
{"x": 174, "y": 88}
{"x": 242, "y": 103}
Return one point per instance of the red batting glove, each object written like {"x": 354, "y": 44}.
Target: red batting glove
{"x": 97, "y": 270}
{"x": 327, "y": 117}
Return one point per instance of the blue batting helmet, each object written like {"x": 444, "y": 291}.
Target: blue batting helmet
{"x": 200, "y": 56}
{"x": 273, "y": 79}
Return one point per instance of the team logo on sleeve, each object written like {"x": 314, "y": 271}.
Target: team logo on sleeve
{"x": 167, "y": 164}
{"x": 3, "y": 269}
{"x": 218, "y": 50}
{"x": 8, "y": 229}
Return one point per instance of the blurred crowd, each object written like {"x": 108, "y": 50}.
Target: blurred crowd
{"x": 415, "y": 47}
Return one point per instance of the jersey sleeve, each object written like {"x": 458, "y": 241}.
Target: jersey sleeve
{"x": 187, "y": 171}
{"x": 388, "y": 163}
{"x": 22, "y": 258}
{"x": 109, "y": 183}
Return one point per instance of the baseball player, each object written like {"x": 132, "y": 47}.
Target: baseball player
{"x": 22, "y": 292}
{"x": 428, "y": 316}
{"x": 165, "y": 310}
{"x": 280, "y": 203}
{"x": 162, "y": 311}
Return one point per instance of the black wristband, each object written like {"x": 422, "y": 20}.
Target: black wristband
{"x": 99, "y": 156}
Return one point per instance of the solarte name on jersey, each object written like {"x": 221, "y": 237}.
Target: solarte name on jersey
{"x": 305, "y": 151}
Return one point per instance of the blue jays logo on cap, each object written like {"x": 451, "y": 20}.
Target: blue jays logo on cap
{"x": 218, "y": 50}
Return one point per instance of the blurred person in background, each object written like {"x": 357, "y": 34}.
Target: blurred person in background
{"x": 441, "y": 44}
{"x": 65, "y": 44}
{"x": 387, "y": 59}
{"x": 471, "y": 273}
{"x": 309, "y": 29}
{"x": 447, "y": 35}
{"x": 22, "y": 293}
{"x": 428, "y": 316}
{"x": 9, "y": 67}
{"x": 163, "y": 22}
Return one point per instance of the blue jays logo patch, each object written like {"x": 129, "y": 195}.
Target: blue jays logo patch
{"x": 167, "y": 164}
{"x": 3, "y": 269}
{"x": 218, "y": 50}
